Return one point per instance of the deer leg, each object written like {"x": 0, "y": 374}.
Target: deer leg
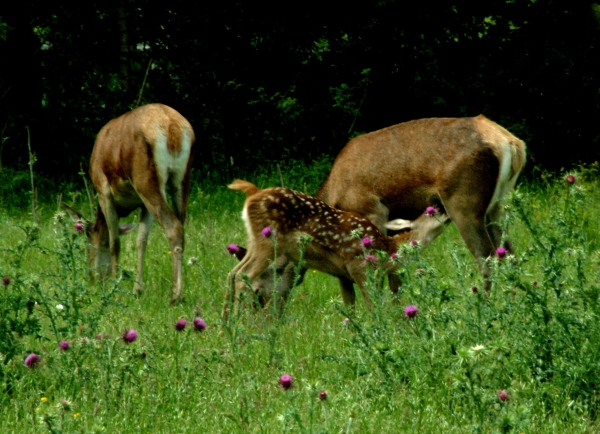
{"x": 379, "y": 216}
{"x": 473, "y": 230}
{"x": 146, "y": 220}
{"x": 347, "y": 289}
{"x": 356, "y": 270}
{"x": 112, "y": 223}
{"x": 494, "y": 221}
{"x": 253, "y": 268}
{"x": 158, "y": 207}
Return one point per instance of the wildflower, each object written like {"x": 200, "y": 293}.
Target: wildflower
{"x": 366, "y": 242}
{"x": 199, "y": 324}
{"x": 234, "y": 248}
{"x": 60, "y": 307}
{"x": 76, "y": 415}
{"x": 285, "y": 381}
{"x": 503, "y": 395}
{"x": 99, "y": 337}
{"x": 474, "y": 289}
{"x": 371, "y": 259}
{"x": 6, "y": 280}
{"x": 570, "y": 179}
{"x": 501, "y": 252}
{"x": 44, "y": 399}
{"x": 65, "y": 404}
{"x": 64, "y": 345}
{"x": 32, "y": 360}
{"x": 394, "y": 256}
{"x": 411, "y": 311}
{"x": 180, "y": 324}
{"x": 346, "y": 321}
{"x": 414, "y": 242}
{"x": 477, "y": 348}
{"x": 323, "y": 395}
{"x": 266, "y": 232}
{"x": 431, "y": 211}
{"x": 192, "y": 260}
{"x": 419, "y": 272}
{"x": 59, "y": 216}
{"x": 130, "y": 335}
{"x": 79, "y": 227}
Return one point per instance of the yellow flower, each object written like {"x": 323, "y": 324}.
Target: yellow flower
{"x": 44, "y": 399}
{"x": 75, "y": 415}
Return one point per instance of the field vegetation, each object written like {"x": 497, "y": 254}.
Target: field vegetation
{"x": 442, "y": 356}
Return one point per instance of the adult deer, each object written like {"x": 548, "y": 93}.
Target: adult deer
{"x": 136, "y": 159}
{"x": 279, "y": 216}
{"x": 463, "y": 167}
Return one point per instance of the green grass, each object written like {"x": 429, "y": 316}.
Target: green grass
{"x": 534, "y": 335}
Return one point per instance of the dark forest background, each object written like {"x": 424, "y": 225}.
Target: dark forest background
{"x": 262, "y": 84}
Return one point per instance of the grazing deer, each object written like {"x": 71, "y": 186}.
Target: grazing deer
{"x": 463, "y": 167}
{"x": 138, "y": 158}
{"x": 284, "y": 215}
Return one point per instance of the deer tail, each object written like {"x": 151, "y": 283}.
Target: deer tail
{"x": 244, "y": 186}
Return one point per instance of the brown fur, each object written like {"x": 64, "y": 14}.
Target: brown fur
{"x": 290, "y": 214}
{"x": 125, "y": 168}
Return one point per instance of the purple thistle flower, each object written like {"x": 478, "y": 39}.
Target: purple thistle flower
{"x": 431, "y": 211}
{"x": 394, "y": 256}
{"x": 180, "y": 324}
{"x": 346, "y": 321}
{"x": 570, "y": 179}
{"x": 199, "y": 324}
{"x": 323, "y": 395}
{"x": 79, "y": 227}
{"x": 503, "y": 395}
{"x": 414, "y": 242}
{"x": 234, "y": 248}
{"x": 501, "y": 252}
{"x": 130, "y": 335}
{"x": 64, "y": 345}
{"x": 6, "y": 281}
{"x": 411, "y": 311}
{"x": 366, "y": 242}
{"x": 285, "y": 381}
{"x": 32, "y": 360}
{"x": 371, "y": 259}
{"x": 99, "y": 337}
{"x": 266, "y": 232}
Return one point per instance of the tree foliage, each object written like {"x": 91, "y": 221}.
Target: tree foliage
{"x": 263, "y": 85}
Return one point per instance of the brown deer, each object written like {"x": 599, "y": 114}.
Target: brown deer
{"x": 463, "y": 167}
{"x": 138, "y": 158}
{"x": 279, "y": 216}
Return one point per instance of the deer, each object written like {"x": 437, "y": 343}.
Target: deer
{"x": 461, "y": 168}
{"x": 275, "y": 218}
{"x": 137, "y": 159}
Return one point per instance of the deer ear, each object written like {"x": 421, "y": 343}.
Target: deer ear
{"x": 398, "y": 224}
{"x": 126, "y": 228}
{"x": 75, "y": 215}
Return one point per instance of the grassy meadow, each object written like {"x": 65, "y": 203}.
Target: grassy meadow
{"x": 523, "y": 358}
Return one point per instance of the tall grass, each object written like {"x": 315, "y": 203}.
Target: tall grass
{"x": 522, "y": 358}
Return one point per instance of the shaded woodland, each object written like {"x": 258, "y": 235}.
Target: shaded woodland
{"x": 262, "y": 85}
